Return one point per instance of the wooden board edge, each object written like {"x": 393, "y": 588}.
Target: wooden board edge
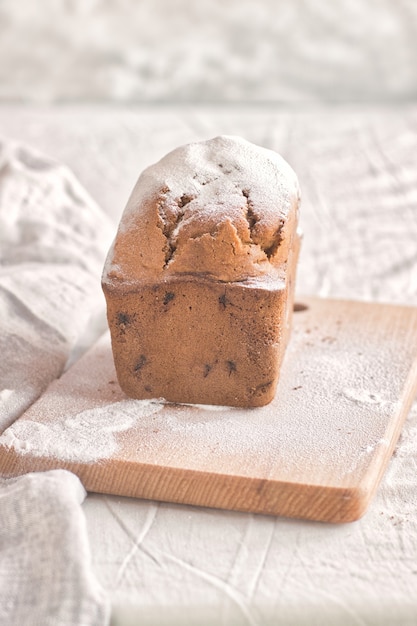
{"x": 376, "y": 471}
{"x": 206, "y": 489}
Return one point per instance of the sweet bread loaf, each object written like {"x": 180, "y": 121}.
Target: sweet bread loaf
{"x": 199, "y": 280}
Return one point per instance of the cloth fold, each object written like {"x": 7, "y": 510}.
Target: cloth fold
{"x": 46, "y": 577}
{"x": 53, "y": 240}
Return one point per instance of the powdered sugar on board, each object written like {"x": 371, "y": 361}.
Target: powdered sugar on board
{"x": 53, "y": 239}
{"x": 346, "y": 386}
{"x": 83, "y": 437}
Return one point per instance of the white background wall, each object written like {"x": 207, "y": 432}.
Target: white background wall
{"x": 286, "y": 51}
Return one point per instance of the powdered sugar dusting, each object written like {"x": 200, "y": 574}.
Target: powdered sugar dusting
{"x": 222, "y": 208}
{"x": 362, "y": 396}
{"x": 85, "y": 437}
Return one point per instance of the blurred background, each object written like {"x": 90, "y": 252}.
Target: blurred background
{"x": 213, "y": 51}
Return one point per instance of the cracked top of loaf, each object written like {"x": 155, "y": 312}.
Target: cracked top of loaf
{"x": 224, "y": 208}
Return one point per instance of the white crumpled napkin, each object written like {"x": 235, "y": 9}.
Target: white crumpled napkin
{"x": 46, "y": 577}
{"x": 53, "y": 241}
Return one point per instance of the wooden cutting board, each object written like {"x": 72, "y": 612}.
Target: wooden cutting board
{"x": 318, "y": 451}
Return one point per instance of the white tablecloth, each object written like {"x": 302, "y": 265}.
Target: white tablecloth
{"x": 170, "y": 564}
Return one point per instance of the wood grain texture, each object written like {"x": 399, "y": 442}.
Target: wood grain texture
{"x": 318, "y": 451}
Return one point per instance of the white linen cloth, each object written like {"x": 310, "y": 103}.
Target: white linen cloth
{"x": 46, "y": 577}
{"x": 53, "y": 240}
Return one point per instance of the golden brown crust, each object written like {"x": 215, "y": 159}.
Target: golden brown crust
{"x": 225, "y": 208}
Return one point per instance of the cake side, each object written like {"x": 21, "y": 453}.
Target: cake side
{"x": 193, "y": 341}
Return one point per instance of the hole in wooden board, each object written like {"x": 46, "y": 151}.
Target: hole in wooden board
{"x": 299, "y": 306}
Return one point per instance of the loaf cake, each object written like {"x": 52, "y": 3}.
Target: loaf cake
{"x": 199, "y": 280}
